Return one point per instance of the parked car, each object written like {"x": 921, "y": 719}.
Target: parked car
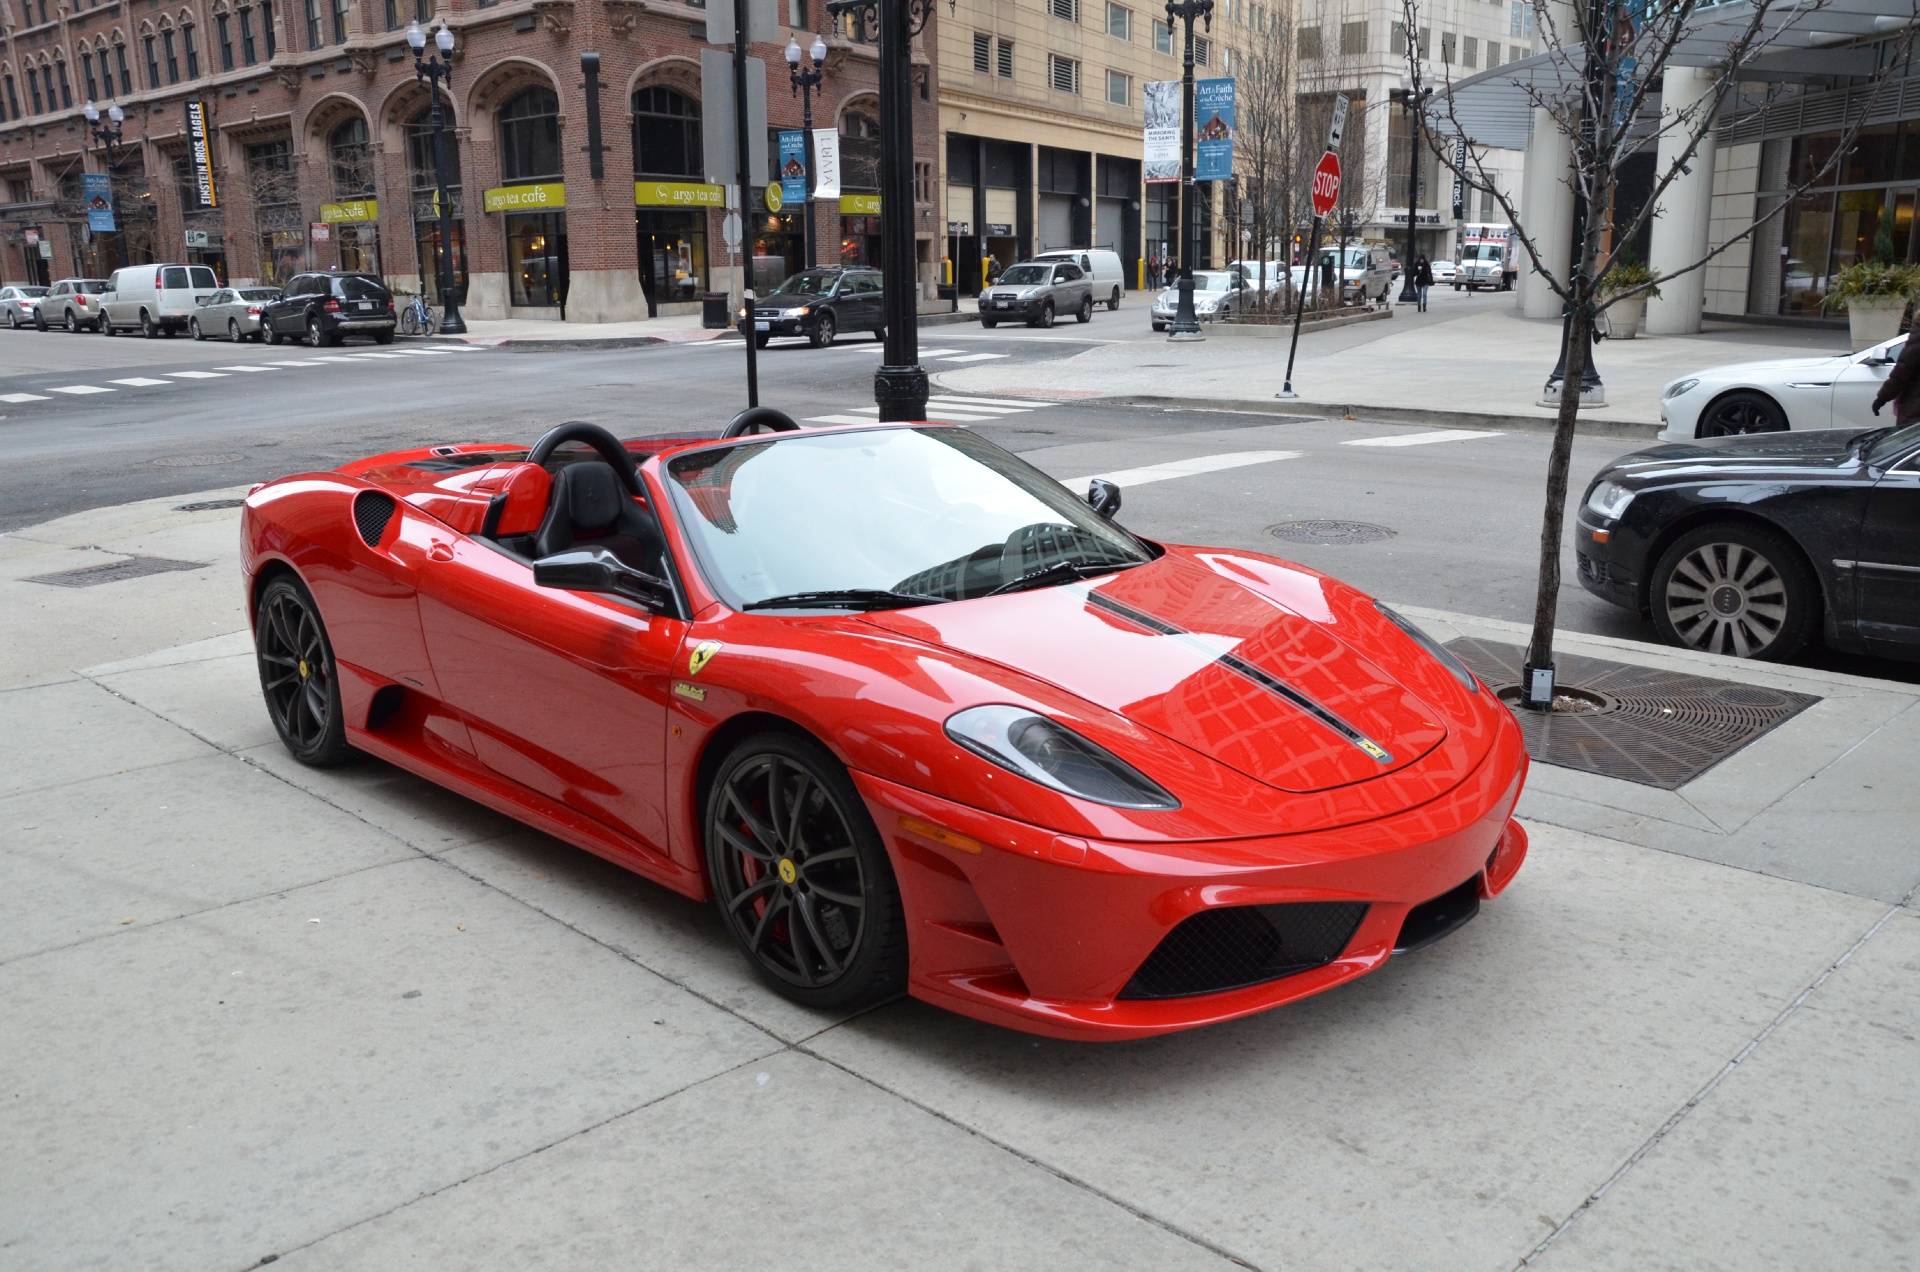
{"x": 1217, "y": 294}
{"x": 155, "y": 299}
{"x": 72, "y": 303}
{"x": 1101, "y": 266}
{"x": 1752, "y": 546}
{"x": 1443, "y": 271}
{"x": 1270, "y": 275}
{"x": 323, "y": 308}
{"x": 235, "y": 311}
{"x": 1777, "y": 395}
{"x": 820, "y": 304}
{"x": 17, "y": 303}
{"x": 1036, "y": 292}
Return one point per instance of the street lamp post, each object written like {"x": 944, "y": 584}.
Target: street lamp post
{"x": 109, "y": 136}
{"x": 805, "y": 80}
{"x": 900, "y": 385}
{"x": 1413, "y": 102}
{"x": 430, "y": 71}
{"x": 1186, "y": 324}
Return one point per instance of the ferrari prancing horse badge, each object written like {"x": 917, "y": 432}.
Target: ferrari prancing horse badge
{"x": 702, "y": 655}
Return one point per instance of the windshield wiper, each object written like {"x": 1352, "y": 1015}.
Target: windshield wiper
{"x": 1062, "y": 572}
{"x": 864, "y": 598}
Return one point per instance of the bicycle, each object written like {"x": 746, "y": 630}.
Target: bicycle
{"x": 418, "y": 318}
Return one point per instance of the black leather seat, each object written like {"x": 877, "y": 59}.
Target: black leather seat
{"x": 589, "y": 508}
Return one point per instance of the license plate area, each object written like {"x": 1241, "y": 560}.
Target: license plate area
{"x": 763, "y": 326}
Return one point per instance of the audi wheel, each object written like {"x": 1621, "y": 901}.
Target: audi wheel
{"x": 1734, "y": 588}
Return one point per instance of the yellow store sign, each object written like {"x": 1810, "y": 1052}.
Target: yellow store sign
{"x": 352, "y": 212}
{"x": 527, "y": 198}
{"x": 859, "y": 205}
{"x": 677, "y": 194}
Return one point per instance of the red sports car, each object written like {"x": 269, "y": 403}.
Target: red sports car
{"x": 914, "y": 716}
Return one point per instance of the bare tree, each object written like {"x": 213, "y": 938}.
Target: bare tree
{"x": 1266, "y": 137}
{"x": 1594, "y": 85}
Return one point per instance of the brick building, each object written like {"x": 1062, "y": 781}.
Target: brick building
{"x": 322, "y": 156}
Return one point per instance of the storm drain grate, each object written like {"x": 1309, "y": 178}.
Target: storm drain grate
{"x": 1329, "y": 533}
{"x": 112, "y": 572}
{"x": 210, "y": 505}
{"x": 1640, "y": 724}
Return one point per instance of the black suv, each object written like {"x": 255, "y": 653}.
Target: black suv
{"x": 324, "y": 307}
{"x": 820, "y": 304}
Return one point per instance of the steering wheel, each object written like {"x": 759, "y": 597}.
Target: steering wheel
{"x": 754, "y": 418}
{"x": 605, "y": 444}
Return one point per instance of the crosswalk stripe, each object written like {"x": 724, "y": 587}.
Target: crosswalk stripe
{"x": 1029, "y": 405}
{"x": 840, "y": 419}
{"x": 23, "y": 397}
{"x": 78, "y": 389}
{"x": 1182, "y": 468}
{"x": 957, "y": 417}
{"x": 974, "y": 357}
{"x": 255, "y": 368}
{"x": 195, "y": 375}
{"x": 141, "y": 382}
{"x": 302, "y": 363}
{"x": 348, "y": 361}
{"x": 974, "y": 406}
{"x": 935, "y": 353}
{"x": 1422, "y": 439}
{"x": 373, "y": 355}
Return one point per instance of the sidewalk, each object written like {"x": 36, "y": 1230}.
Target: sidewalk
{"x": 349, "y": 1020}
{"x": 1485, "y": 365}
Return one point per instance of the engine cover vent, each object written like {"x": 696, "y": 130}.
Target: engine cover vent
{"x": 371, "y": 511}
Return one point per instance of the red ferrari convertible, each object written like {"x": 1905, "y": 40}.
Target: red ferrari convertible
{"x": 913, "y": 715}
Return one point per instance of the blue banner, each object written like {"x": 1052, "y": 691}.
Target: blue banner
{"x": 97, "y": 187}
{"x": 1213, "y": 130}
{"x": 793, "y": 166}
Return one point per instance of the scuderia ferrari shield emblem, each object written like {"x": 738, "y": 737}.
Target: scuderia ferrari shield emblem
{"x": 702, "y": 655}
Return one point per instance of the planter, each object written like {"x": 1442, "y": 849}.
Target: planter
{"x": 1625, "y": 315}
{"x": 1873, "y": 319}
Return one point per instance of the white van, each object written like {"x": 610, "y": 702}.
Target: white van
{"x": 155, "y": 298}
{"x": 1101, "y": 265}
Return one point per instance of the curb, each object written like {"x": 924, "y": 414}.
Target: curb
{"x": 1284, "y": 330}
{"x": 574, "y": 344}
{"x": 1385, "y": 414}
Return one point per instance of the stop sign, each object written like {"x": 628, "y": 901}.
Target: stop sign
{"x": 1326, "y": 184}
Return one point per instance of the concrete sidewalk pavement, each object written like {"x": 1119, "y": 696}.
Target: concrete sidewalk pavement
{"x": 351, "y": 1021}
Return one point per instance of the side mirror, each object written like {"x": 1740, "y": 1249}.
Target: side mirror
{"x": 1104, "y": 497}
{"x": 598, "y": 570}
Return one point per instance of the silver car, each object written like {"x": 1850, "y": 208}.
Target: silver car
{"x": 1036, "y": 292}
{"x": 233, "y": 311}
{"x": 72, "y": 303}
{"x": 17, "y": 304}
{"x": 1217, "y": 294}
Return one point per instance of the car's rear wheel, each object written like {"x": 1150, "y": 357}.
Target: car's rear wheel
{"x": 383, "y": 337}
{"x": 1740, "y": 413}
{"x": 1732, "y": 588}
{"x": 13, "y": 320}
{"x": 801, "y": 878}
{"x": 1113, "y": 301}
{"x": 149, "y": 328}
{"x": 233, "y": 330}
{"x": 72, "y": 324}
{"x": 824, "y": 330}
{"x": 298, "y": 675}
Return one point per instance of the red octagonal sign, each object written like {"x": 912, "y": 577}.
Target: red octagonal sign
{"x": 1326, "y": 184}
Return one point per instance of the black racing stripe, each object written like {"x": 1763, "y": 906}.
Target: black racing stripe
{"x": 1241, "y": 667}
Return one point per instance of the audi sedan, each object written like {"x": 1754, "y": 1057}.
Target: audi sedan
{"x": 1778, "y": 395}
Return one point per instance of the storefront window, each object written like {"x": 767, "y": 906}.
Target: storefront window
{"x": 673, "y": 255}
{"x": 666, "y": 134}
{"x": 860, "y": 240}
{"x": 352, "y": 157}
{"x": 537, "y": 258}
{"x": 1803, "y": 277}
{"x": 779, "y": 249}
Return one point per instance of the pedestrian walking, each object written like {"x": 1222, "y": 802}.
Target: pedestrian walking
{"x": 1422, "y": 279}
{"x": 1902, "y": 385}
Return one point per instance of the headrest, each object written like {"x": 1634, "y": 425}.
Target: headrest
{"x": 593, "y": 494}
{"x": 526, "y": 487}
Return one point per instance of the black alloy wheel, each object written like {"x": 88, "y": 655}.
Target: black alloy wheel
{"x": 1737, "y": 414}
{"x": 801, "y": 878}
{"x": 1086, "y": 309}
{"x": 824, "y": 330}
{"x": 1734, "y": 588}
{"x": 1046, "y": 315}
{"x": 233, "y": 330}
{"x": 298, "y": 675}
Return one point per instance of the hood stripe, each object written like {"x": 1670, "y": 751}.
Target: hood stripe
{"x": 1246, "y": 670}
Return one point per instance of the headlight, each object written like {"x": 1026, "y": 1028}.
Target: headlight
{"x": 1678, "y": 387}
{"x": 1441, "y": 653}
{"x": 1055, "y": 756}
{"x": 801, "y": 312}
{"x": 1609, "y": 500}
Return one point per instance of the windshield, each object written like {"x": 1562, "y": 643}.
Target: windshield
{"x": 806, "y": 285}
{"x": 1890, "y": 448}
{"x": 1211, "y": 281}
{"x": 1027, "y": 275}
{"x": 1482, "y": 252}
{"x": 928, "y": 512}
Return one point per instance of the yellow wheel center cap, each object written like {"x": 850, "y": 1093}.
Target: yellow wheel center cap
{"x": 303, "y": 669}
{"x": 787, "y": 872}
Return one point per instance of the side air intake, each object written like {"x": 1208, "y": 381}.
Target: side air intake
{"x": 1235, "y": 946}
{"x": 371, "y": 512}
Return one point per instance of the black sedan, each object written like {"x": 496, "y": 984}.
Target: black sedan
{"x": 1752, "y": 545}
{"x": 820, "y": 304}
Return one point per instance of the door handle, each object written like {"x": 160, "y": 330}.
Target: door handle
{"x": 439, "y": 551}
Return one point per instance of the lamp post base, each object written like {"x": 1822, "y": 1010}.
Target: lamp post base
{"x": 451, "y": 323}
{"x": 1186, "y": 323}
{"x": 901, "y": 393}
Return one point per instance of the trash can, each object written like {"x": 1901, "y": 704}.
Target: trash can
{"x": 713, "y": 311}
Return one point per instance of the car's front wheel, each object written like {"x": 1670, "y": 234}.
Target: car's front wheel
{"x": 989, "y": 323}
{"x": 298, "y": 674}
{"x": 193, "y": 329}
{"x": 1733, "y": 588}
{"x": 824, "y": 330}
{"x": 801, "y": 877}
{"x": 1740, "y": 413}
{"x": 1045, "y": 317}
{"x": 1086, "y": 310}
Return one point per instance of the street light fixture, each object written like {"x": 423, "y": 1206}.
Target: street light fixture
{"x": 804, "y": 82}
{"x": 1413, "y": 102}
{"x": 431, "y": 71}
{"x": 107, "y": 134}
{"x": 1186, "y": 323}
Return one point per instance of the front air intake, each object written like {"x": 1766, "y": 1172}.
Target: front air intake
{"x": 1235, "y": 946}
{"x": 371, "y": 512}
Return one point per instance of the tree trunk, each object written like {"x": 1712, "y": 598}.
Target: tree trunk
{"x": 1546, "y": 602}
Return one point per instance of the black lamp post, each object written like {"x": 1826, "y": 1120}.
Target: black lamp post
{"x": 430, "y": 71}
{"x": 900, "y": 385}
{"x": 1413, "y": 102}
{"x": 107, "y": 134}
{"x": 1186, "y": 324}
{"x": 805, "y": 80}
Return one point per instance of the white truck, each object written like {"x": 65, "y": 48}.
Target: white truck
{"x": 1486, "y": 258}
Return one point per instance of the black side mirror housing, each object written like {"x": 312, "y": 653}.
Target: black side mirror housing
{"x": 1104, "y": 497}
{"x": 598, "y": 570}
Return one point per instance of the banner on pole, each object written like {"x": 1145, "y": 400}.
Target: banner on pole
{"x": 1213, "y": 130}
{"x": 98, "y": 189}
{"x": 1459, "y": 185}
{"x": 793, "y": 166}
{"x": 826, "y": 163}
{"x": 200, "y": 155}
{"x": 1160, "y": 99}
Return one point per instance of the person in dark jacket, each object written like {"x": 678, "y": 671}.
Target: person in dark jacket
{"x": 1902, "y": 386}
{"x": 1422, "y": 279}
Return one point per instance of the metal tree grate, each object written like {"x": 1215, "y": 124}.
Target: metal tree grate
{"x": 1651, "y": 726}
{"x": 112, "y": 572}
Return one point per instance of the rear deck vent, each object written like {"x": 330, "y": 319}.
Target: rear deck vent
{"x": 371, "y": 512}
{"x": 1235, "y": 946}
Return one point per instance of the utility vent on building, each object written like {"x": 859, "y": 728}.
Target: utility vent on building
{"x": 1067, "y": 10}
{"x": 1063, "y": 73}
{"x": 982, "y": 53}
{"x": 1004, "y": 60}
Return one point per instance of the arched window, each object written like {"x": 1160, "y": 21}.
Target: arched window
{"x": 666, "y": 134}
{"x": 859, "y": 151}
{"x": 66, "y": 86}
{"x": 192, "y": 49}
{"x": 420, "y": 151}
{"x": 352, "y": 157}
{"x": 120, "y": 62}
{"x": 530, "y": 137}
{"x": 86, "y": 72}
{"x": 172, "y": 51}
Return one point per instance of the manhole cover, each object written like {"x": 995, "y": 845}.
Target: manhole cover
{"x": 198, "y": 461}
{"x": 114, "y": 571}
{"x": 210, "y": 505}
{"x": 1329, "y": 532}
{"x": 1640, "y": 724}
